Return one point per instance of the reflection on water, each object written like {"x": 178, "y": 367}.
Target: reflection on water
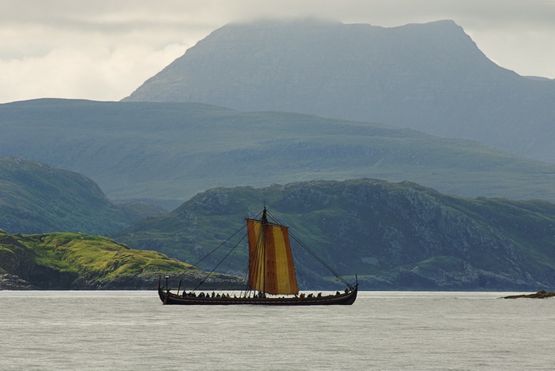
{"x": 382, "y": 330}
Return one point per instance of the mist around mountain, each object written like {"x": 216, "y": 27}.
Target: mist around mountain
{"x": 430, "y": 77}
{"x": 76, "y": 261}
{"x": 393, "y": 235}
{"x": 157, "y": 147}
{"x": 168, "y": 151}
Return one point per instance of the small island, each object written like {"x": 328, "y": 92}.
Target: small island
{"x": 542, "y": 294}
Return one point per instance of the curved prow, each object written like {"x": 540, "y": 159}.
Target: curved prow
{"x": 163, "y": 293}
{"x": 353, "y": 295}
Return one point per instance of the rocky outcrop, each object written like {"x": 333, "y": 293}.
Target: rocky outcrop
{"x": 13, "y": 282}
{"x": 542, "y": 294}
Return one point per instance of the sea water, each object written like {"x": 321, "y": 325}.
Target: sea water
{"x": 130, "y": 330}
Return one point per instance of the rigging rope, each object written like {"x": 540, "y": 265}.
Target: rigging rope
{"x": 218, "y": 247}
{"x": 327, "y": 266}
{"x": 220, "y": 262}
{"x": 299, "y": 242}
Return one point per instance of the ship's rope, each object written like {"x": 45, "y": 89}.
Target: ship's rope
{"x": 219, "y": 246}
{"x": 220, "y": 262}
{"x": 247, "y": 290}
{"x": 314, "y": 255}
{"x": 222, "y": 243}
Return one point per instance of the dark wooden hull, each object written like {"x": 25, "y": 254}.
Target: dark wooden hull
{"x": 170, "y": 298}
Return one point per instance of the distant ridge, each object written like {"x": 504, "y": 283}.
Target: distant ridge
{"x": 393, "y": 235}
{"x": 431, "y": 77}
{"x": 35, "y": 197}
{"x": 173, "y": 150}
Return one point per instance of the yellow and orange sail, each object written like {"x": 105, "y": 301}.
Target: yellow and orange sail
{"x": 271, "y": 267}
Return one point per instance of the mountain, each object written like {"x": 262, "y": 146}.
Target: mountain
{"x": 38, "y": 198}
{"x": 77, "y": 261}
{"x": 430, "y": 77}
{"x": 137, "y": 150}
{"x": 394, "y": 235}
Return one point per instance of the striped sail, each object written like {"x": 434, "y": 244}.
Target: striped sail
{"x": 271, "y": 267}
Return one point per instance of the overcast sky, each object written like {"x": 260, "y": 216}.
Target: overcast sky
{"x": 104, "y": 49}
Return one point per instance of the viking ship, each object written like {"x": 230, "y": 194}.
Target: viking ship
{"x": 272, "y": 279}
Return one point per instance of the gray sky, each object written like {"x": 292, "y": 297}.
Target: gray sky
{"x": 104, "y": 49}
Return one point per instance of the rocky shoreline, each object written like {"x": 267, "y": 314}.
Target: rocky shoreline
{"x": 542, "y": 294}
{"x": 13, "y": 282}
{"x": 74, "y": 261}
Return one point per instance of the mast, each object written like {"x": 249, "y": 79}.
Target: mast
{"x": 264, "y": 220}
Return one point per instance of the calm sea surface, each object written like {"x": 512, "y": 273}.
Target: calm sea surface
{"x": 130, "y": 330}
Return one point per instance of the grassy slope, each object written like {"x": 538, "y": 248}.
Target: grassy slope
{"x": 165, "y": 150}
{"x": 394, "y": 235}
{"x": 72, "y": 260}
{"x": 36, "y": 197}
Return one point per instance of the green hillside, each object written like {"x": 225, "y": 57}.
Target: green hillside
{"x": 393, "y": 235}
{"x": 77, "y": 261}
{"x": 174, "y": 150}
{"x": 38, "y": 198}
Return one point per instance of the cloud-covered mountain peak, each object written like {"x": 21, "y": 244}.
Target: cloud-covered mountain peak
{"x": 431, "y": 77}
